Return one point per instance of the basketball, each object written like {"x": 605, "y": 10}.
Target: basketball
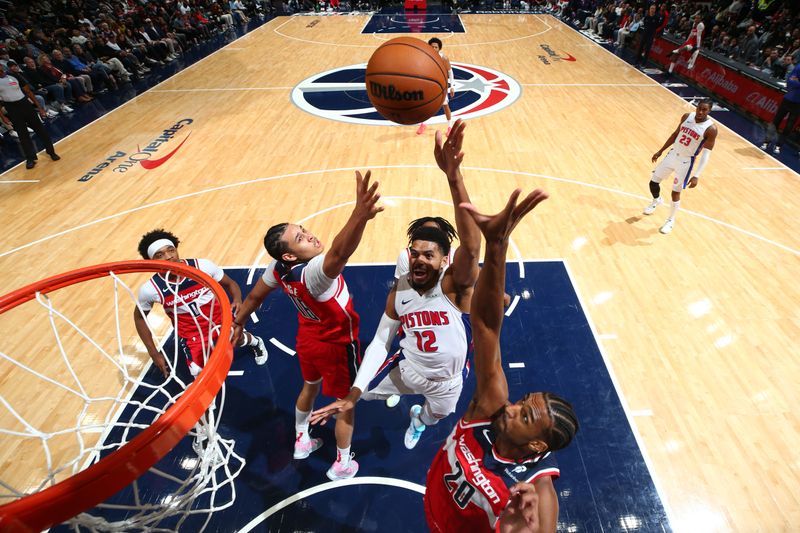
{"x": 406, "y": 80}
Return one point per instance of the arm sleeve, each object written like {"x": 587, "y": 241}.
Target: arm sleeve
{"x": 315, "y": 279}
{"x": 210, "y": 268}
{"x": 269, "y": 275}
{"x": 705, "y": 154}
{"x": 376, "y": 352}
{"x": 402, "y": 266}
{"x": 451, "y": 77}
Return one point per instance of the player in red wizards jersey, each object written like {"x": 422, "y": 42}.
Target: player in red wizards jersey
{"x": 327, "y": 334}
{"x": 190, "y": 305}
{"x": 495, "y": 470}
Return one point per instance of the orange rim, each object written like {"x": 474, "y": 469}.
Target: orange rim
{"x": 108, "y": 476}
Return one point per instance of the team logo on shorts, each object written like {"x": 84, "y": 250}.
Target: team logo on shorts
{"x": 340, "y": 94}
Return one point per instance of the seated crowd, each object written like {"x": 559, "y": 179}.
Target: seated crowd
{"x": 68, "y": 51}
{"x": 760, "y": 35}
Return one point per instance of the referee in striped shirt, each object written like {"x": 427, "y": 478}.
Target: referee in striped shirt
{"x": 18, "y": 100}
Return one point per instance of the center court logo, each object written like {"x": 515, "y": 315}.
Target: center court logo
{"x": 143, "y": 156}
{"x": 340, "y": 94}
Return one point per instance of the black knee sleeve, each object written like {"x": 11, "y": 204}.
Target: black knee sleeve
{"x": 655, "y": 189}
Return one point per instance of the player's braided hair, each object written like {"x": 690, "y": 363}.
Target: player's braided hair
{"x": 443, "y": 224}
{"x": 273, "y": 241}
{"x": 431, "y": 234}
{"x": 153, "y": 236}
{"x": 565, "y": 423}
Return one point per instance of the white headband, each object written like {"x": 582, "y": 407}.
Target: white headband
{"x": 156, "y": 246}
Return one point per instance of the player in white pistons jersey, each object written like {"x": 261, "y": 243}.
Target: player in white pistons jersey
{"x": 691, "y": 143}
{"x": 431, "y": 303}
{"x": 451, "y": 87}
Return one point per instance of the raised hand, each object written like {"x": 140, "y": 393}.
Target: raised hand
{"x": 498, "y": 227}
{"x": 521, "y": 515}
{"x": 320, "y": 416}
{"x": 367, "y": 196}
{"x": 447, "y": 151}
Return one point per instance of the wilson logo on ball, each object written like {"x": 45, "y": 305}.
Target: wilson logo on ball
{"x": 342, "y": 94}
{"x": 390, "y": 92}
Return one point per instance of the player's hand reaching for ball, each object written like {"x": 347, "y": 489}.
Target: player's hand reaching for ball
{"x": 498, "y": 227}
{"x": 367, "y": 196}
{"x": 447, "y": 151}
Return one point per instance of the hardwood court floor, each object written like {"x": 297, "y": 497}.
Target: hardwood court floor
{"x": 700, "y": 327}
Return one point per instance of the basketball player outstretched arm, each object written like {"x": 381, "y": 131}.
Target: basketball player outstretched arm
{"x": 531, "y": 507}
{"x": 671, "y": 139}
{"x": 336, "y": 258}
{"x": 464, "y": 271}
{"x": 346, "y": 242}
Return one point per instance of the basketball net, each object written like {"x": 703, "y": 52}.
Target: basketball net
{"x": 94, "y": 456}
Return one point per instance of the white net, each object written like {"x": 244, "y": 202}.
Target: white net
{"x": 76, "y": 384}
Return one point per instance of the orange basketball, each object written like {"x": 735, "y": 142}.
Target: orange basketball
{"x": 406, "y": 80}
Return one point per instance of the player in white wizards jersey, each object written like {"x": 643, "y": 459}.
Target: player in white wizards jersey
{"x": 431, "y": 303}
{"x": 692, "y": 143}
{"x": 436, "y": 44}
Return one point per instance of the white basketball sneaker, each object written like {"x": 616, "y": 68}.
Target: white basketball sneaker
{"x": 261, "y": 352}
{"x": 652, "y": 207}
{"x": 414, "y": 432}
{"x": 667, "y": 227}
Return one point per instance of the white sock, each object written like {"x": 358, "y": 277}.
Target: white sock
{"x": 343, "y": 456}
{"x": 671, "y": 66}
{"x": 674, "y": 209}
{"x": 301, "y": 424}
{"x": 248, "y": 339}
